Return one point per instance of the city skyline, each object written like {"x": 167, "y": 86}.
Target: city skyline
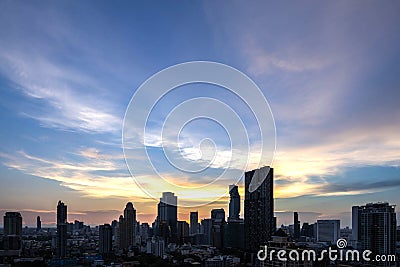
{"x": 68, "y": 71}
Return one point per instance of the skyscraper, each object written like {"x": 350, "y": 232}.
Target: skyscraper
{"x": 61, "y": 230}
{"x": 12, "y": 231}
{"x": 296, "y": 225}
{"x": 183, "y": 231}
{"x": 38, "y": 224}
{"x": 374, "y": 228}
{"x": 194, "y": 222}
{"x": 258, "y": 208}
{"x": 328, "y": 231}
{"x": 217, "y": 229}
{"x": 206, "y": 225}
{"x": 121, "y": 238}
{"x": 105, "y": 239}
{"x": 130, "y": 224}
{"x": 234, "y": 203}
{"x": 168, "y": 212}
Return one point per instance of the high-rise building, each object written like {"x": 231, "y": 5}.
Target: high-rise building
{"x": 122, "y": 238}
{"x": 183, "y": 231}
{"x": 206, "y": 226}
{"x": 61, "y": 230}
{"x": 328, "y": 231}
{"x": 194, "y": 222}
{"x": 258, "y": 208}
{"x": 105, "y": 239}
{"x": 168, "y": 212}
{"x": 296, "y": 225}
{"x": 126, "y": 236}
{"x": 144, "y": 231}
{"x": 374, "y": 228}
{"x": 38, "y": 224}
{"x": 130, "y": 224}
{"x": 217, "y": 229}
{"x": 307, "y": 230}
{"x": 12, "y": 231}
{"x": 234, "y": 203}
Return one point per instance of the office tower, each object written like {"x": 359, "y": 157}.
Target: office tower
{"x": 234, "y": 234}
{"x": 105, "y": 239}
{"x": 130, "y": 224}
{"x": 194, "y": 222}
{"x": 168, "y": 212}
{"x": 12, "y": 231}
{"x": 374, "y": 228}
{"x": 115, "y": 233}
{"x": 218, "y": 214}
{"x": 122, "y": 238}
{"x": 258, "y": 208}
{"x": 217, "y": 229}
{"x": 206, "y": 225}
{"x": 38, "y": 224}
{"x": 234, "y": 203}
{"x": 183, "y": 231}
{"x": 144, "y": 231}
{"x": 61, "y": 230}
{"x": 296, "y": 226}
{"x": 328, "y": 231}
{"x": 307, "y": 230}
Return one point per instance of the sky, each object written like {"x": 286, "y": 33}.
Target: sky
{"x": 68, "y": 70}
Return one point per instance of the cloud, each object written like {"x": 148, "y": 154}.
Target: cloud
{"x": 83, "y": 174}
{"x": 68, "y": 102}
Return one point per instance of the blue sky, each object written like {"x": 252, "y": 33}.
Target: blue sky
{"x": 330, "y": 72}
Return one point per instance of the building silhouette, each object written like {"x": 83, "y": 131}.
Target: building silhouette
{"x": 206, "y": 226}
{"x": 130, "y": 224}
{"x": 234, "y": 203}
{"x": 167, "y": 217}
{"x": 12, "y": 231}
{"x": 183, "y": 232}
{"x": 121, "y": 236}
{"x": 374, "y": 228}
{"x": 217, "y": 229}
{"x": 328, "y": 231}
{"x": 194, "y": 222}
{"x": 126, "y": 236}
{"x": 105, "y": 239}
{"x": 296, "y": 226}
{"x": 38, "y": 224}
{"x": 258, "y": 208}
{"x": 61, "y": 230}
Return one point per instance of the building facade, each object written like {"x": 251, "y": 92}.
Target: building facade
{"x": 374, "y": 228}
{"x": 12, "y": 231}
{"x": 258, "y": 208}
{"x": 61, "y": 230}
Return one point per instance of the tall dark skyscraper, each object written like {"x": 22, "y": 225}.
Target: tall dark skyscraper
{"x": 206, "y": 226}
{"x": 234, "y": 203}
{"x": 12, "y": 231}
{"x": 217, "y": 229}
{"x": 258, "y": 208}
{"x": 296, "y": 225}
{"x": 126, "y": 236}
{"x": 121, "y": 236}
{"x": 105, "y": 239}
{"x": 130, "y": 224}
{"x": 183, "y": 231}
{"x": 168, "y": 212}
{"x": 194, "y": 222}
{"x": 38, "y": 224}
{"x": 374, "y": 228}
{"x": 61, "y": 230}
